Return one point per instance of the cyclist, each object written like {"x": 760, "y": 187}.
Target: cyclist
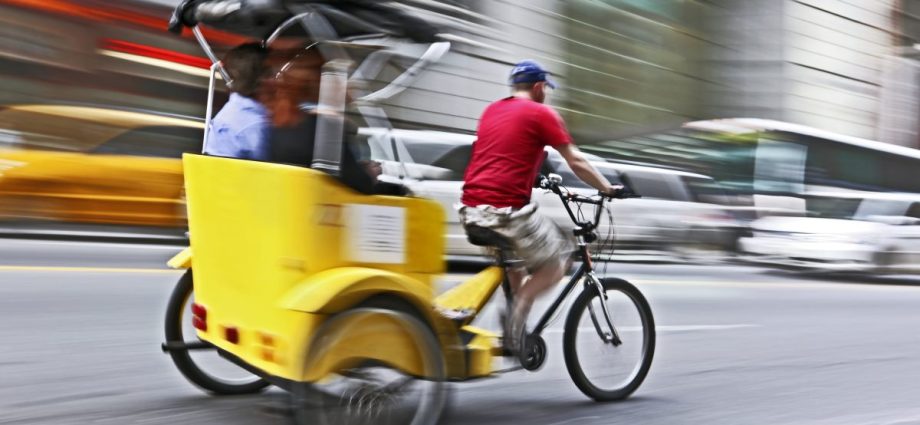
{"x": 497, "y": 186}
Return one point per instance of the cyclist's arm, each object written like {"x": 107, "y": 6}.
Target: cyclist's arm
{"x": 584, "y": 170}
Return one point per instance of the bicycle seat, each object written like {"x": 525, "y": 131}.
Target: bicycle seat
{"x": 482, "y": 236}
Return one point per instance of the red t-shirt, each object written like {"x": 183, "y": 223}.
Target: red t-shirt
{"x": 508, "y": 152}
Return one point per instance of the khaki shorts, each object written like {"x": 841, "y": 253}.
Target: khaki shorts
{"x": 536, "y": 239}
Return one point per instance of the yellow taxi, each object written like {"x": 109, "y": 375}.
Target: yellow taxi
{"x": 87, "y": 164}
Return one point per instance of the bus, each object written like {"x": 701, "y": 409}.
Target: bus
{"x": 771, "y": 158}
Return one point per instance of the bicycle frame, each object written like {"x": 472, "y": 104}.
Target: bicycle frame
{"x": 585, "y": 270}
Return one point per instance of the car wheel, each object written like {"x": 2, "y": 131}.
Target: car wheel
{"x": 885, "y": 260}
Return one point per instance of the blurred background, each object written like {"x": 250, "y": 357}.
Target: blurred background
{"x": 721, "y": 112}
{"x": 764, "y": 136}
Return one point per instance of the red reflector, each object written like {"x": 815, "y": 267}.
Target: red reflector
{"x": 268, "y": 340}
{"x": 200, "y": 324}
{"x": 233, "y": 335}
{"x": 199, "y": 311}
{"x": 268, "y": 355}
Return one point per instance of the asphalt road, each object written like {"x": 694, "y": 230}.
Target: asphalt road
{"x": 80, "y": 326}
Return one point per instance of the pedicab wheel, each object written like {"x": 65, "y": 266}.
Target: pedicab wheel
{"x": 204, "y": 368}
{"x": 603, "y": 370}
{"x": 367, "y": 389}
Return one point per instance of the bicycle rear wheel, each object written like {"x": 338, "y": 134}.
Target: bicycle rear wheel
{"x": 600, "y": 369}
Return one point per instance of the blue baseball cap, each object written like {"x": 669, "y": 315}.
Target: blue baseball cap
{"x": 529, "y": 71}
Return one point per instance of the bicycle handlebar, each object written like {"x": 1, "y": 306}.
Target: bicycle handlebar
{"x": 553, "y": 184}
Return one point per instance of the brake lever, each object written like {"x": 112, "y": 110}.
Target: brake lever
{"x": 623, "y": 193}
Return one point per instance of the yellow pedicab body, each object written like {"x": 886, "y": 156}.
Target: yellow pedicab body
{"x": 278, "y": 249}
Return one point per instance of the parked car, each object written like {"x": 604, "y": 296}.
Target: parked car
{"x": 431, "y": 164}
{"x": 858, "y": 232}
{"x": 83, "y": 164}
{"x": 678, "y": 209}
{"x": 679, "y": 212}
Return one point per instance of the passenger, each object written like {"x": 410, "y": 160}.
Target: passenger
{"x": 291, "y": 92}
{"x": 240, "y": 129}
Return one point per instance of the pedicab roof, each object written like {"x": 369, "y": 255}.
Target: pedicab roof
{"x": 259, "y": 18}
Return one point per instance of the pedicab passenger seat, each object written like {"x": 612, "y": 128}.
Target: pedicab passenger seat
{"x": 272, "y": 226}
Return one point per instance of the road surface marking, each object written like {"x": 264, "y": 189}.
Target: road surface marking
{"x": 151, "y": 247}
{"x": 665, "y": 328}
{"x": 100, "y": 244}
{"x": 785, "y": 284}
{"x": 576, "y": 420}
{"x": 85, "y": 269}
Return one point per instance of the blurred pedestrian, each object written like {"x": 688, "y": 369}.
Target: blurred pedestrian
{"x": 506, "y": 157}
{"x": 240, "y": 129}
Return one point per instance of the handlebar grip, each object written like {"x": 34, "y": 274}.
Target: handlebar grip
{"x": 621, "y": 194}
{"x": 547, "y": 183}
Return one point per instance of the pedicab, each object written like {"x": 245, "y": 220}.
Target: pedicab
{"x": 295, "y": 280}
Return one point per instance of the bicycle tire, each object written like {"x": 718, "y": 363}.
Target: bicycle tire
{"x": 183, "y": 359}
{"x": 573, "y": 364}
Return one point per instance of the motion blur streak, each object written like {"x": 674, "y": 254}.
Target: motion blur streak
{"x": 160, "y": 63}
{"x": 156, "y": 53}
{"x": 109, "y": 13}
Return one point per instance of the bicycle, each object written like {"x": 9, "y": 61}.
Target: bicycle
{"x": 593, "y": 300}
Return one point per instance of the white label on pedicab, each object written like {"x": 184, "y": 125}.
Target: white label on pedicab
{"x": 375, "y": 234}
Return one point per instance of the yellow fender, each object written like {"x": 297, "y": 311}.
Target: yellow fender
{"x": 348, "y": 340}
{"x": 182, "y": 260}
{"x": 334, "y": 290}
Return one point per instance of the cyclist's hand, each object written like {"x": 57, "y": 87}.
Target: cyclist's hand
{"x": 614, "y": 191}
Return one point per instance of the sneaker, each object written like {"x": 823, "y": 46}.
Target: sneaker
{"x": 457, "y": 315}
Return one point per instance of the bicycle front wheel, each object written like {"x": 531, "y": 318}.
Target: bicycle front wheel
{"x": 599, "y": 368}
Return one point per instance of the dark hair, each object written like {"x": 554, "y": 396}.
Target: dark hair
{"x": 244, "y": 64}
{"x": 523, "y": 86}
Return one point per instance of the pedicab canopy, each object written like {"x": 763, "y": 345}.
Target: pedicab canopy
{"x": 347, "y": 18}
{"x": 321, "y": 21}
